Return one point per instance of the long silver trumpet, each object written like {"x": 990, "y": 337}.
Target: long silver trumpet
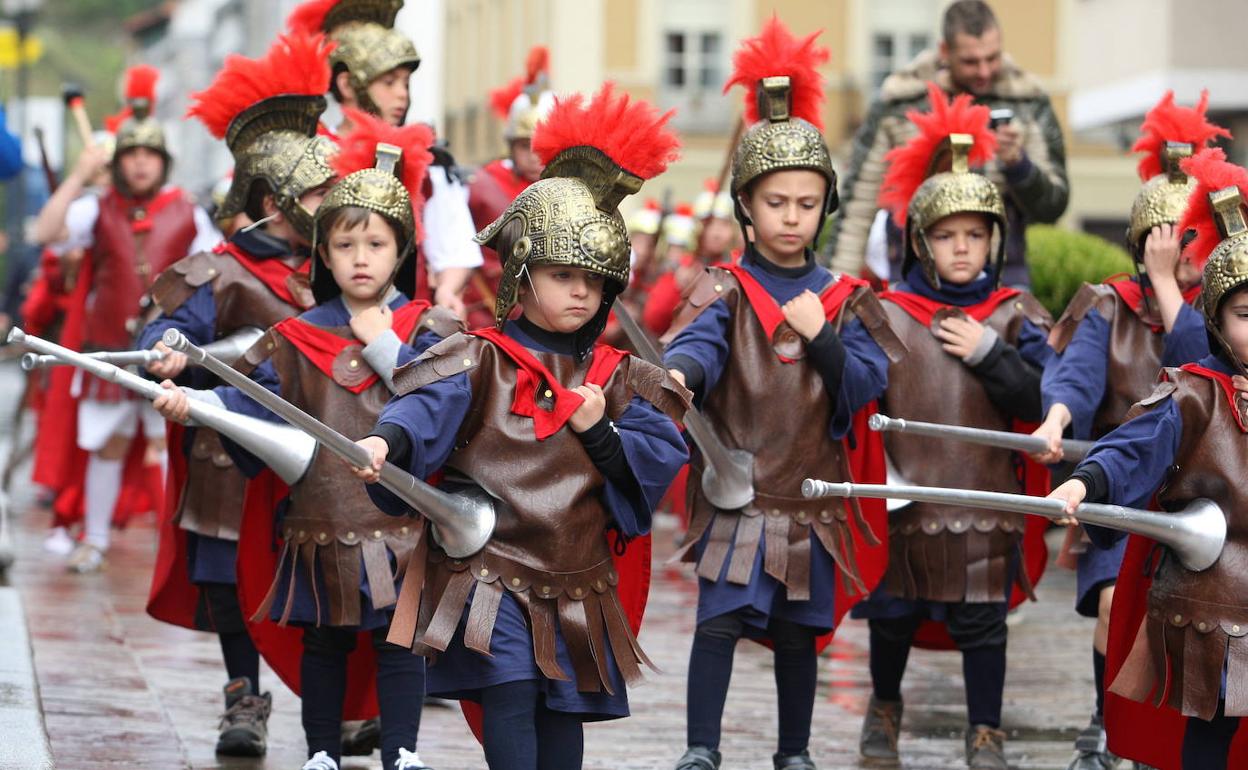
{"x": 33, "y": 361}
{"x": 728, "y": 479}
{"x": 462, "y": 522}
{"x": 1196, "y": 534}
{"x": 287, "y": 451}
{"x": 229, "y": 348}
{"x": 1072, "y": 450}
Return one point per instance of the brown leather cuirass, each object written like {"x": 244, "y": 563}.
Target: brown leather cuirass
{"x": 779, "y": 411}
{"x": 1134, "y": 351}
{"x": 549, "y": 547}
{"x": 331, "y": 523}
{"x": 125, "y": 261}
{"x": 211, "y": 502}
{"x": 1198, "y": 621}
{"x": 943, "y": 552}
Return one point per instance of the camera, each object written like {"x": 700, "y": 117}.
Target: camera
{"x": 1000, "y": 117}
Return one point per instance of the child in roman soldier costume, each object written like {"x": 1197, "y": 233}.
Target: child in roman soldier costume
{"x": 131, "y": 233}
{"x": 1176, "y": 671}
{"x": 341, "y": 559}
{"x": 575, "y": 440}
{"x": 976, "y": 354}
{"x": 267, "y": 111}
{"x": 1114, "y": 338}
{"x": 372, "y": 66}
{"x": 782, "y": 355}
{"x": 520, "y": 105}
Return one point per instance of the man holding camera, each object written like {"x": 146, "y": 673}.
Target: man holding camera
{"x": 1030, "y": 164}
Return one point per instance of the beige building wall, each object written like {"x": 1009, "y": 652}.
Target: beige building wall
{"x": 1071, "y": 45}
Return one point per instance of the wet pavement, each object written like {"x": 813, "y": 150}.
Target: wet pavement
{"x": 119, "y": 689}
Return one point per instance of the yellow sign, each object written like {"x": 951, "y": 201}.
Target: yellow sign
{"x": 10, "y": 57}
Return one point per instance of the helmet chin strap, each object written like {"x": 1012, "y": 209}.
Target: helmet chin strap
{"x": 528, "y": 276}
{"x": 258, "y": 223}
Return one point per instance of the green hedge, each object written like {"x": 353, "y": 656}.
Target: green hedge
{"x": 1060, "y": 262}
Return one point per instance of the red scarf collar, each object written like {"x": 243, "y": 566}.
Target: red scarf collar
{"x": 530, "y": 374}
{"x": 322, "y": 346}
{"x": 768, "y": 310}
{"x": 922, "y": 309}
{"x": 141, "y": 211}
{"x": 273, "y": 273}
{"x": 1228, "y": 389}
{"x": 1133, "y": 295}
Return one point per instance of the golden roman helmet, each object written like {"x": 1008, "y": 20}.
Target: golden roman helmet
{"x": 276, "y": 141}
{"x": 140, "y": 128}
{"x": 596, "y": 153}
{"x": 569, "y": 217}
{"x": 368, "y": 46}
{"x": 956, "y": 191}
{"x": 268, "y": 112}
{"x": 1227, "y": 267}
{"x": 930, "y": 177}
{"x": 784, "y": 94}
{"x": 780, "y": 142}
{"x": 1162, "y": 199}
{"x": 383, "y": 169}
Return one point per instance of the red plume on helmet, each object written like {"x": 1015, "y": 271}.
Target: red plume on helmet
{"x": 296, "y": 64}
{"x": 309, "y": 17}
{"x": 112, "y": 123}
{"x": 1168, "y": 122}
{"x": 357, "y": 150}
{"x": 777, "y": 53}
{"x": 910, "y": 164}
{"x": 1211, "y": 172}
{"x": 141, "y": 83}
{"x": 631, "y": 133}
{"x": 536, "y": 65}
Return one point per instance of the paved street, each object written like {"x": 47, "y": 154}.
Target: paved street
{"x": 120, "y": 689}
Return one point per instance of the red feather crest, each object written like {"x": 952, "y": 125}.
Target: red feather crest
{"x": 357, "y": 150}
{"x": 309, "y": 17}
{"x": 501, "y": 98}
{"x": 1211, "y": 172}
{"x": 776, "y": 53}
{"x": 908, "y": 164}
{"x": 141, "y": 83}
{"x": 297, "y": 63}
{"x": 537, "y": 63}
{"x": 1168, "y": 122}
{"x": 632, "y": 133}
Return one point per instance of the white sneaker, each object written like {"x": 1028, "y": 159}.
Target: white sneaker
{"x": 409, "y": 760}
{"x": 86, "y": 559}
{"x": 320, "y": 761}
{"x": 58, "y": 542}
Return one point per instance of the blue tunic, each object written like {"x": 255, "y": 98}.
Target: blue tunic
{"x": 1032, "y": 346}
{"x": 705, "y": 343}
{"x": 430, "y": 417}
{"x": 1078, "y": 378}
{"x": 304, "y": 610}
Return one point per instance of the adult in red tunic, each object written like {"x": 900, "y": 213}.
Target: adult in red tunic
{"x": 130, "y": 235}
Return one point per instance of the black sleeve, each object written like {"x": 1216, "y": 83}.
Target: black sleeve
{"x": 1013, "y": 385}
{"x": 688, "y": 366}
{"x": 827, "y": 355}
{"x": 1093, "y": 477}
{"x": 400, "y": 453}
{"x": 604, "y": 447}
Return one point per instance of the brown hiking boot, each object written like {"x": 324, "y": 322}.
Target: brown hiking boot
{"x": 880, "y": 729}
{"x": 244, "y": 725}
{"x": 985, "y": 748}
